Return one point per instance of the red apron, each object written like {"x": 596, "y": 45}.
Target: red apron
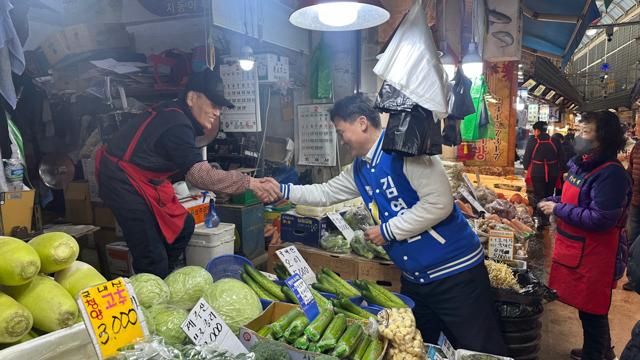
{"x": 154, "y": 187}
{"x": 544, "y": 163}
{"x": 583, "y": 262}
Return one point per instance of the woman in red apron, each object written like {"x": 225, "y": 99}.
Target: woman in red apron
{"x": 590, "y": 239}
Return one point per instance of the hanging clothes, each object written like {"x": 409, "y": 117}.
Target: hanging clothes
{"x": 478, "y": 125}
{"x": 11, "y": 54}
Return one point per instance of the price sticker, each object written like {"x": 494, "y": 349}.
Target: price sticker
{"x": 204, "y": 327}
{"x": 304, "y": 296}
{"x": 342, "y": 226}
{"x": 112, "y": 315}
{"x": 501, "y": 245}
{"x": 296, "y": 264}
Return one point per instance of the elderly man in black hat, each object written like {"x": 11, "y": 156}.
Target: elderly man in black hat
{"x": 134, "y": 166}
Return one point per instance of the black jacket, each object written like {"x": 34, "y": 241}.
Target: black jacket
{"x": 549, "y": 150}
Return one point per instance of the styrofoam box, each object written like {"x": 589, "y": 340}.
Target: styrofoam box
{"x": 72, "y": 343}
{"x": 207, "y": 243}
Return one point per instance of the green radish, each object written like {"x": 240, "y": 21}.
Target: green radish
{"x": 362, "y": 347}
{"x": 57, "y": 251}
{"x": 262, "y": 293}
{"x": 317, "y": 327}
{"x": 15, "y": 320}
{"x": 264, "y": 282}
{"x": 374, "y": 350}
{"x": 60, "y": 311}
{"x": 281, "y": 325}
{"x": 332, "y": 333}
{"x": 19, "y": 262}
{"x": 348, "y": 341}
{"x": 78, "y": 277}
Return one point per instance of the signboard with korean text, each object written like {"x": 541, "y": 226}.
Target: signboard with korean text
{"x": 543, "y": 113}
{"x": 501, "y": 245}
{"x": 342, "y": 225}
{"x": 296, "y": 264}
{"x": 305, "y": 298}
{"x": 204, "y": 326}
{"x": 241, "y": 88}
{"x": 112, "y": 315}
{"x": 532, "y": 112}
{"x": 316, "y": 135}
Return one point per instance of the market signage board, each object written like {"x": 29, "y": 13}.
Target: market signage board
{"x": 543, "y": 113}
{"x": 501, "y": 245}
{"x": 302, "y": 292}
{"x": 204, "y": 326}
{"x": 317, "y": 137}
{"x": 342, "y": 226}
{"x": 296, "y": 264}
{"x": 112, "y": 315}
{"x": 532, "y": 113}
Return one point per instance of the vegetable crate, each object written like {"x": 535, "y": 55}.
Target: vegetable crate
{"x": 249, "y": 337}
{"x": 302, "y": 229}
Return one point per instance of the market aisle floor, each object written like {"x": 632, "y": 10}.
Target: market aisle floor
{"x": 561, "y": 330}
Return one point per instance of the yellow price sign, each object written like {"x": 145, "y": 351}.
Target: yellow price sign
{"x": 112, "y": 315}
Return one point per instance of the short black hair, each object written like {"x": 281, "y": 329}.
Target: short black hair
{"x": 354, "y": 106}
{"x": 558, "y": 136}
{"x": 609, "y": 131}
{"x": 540, "y": 125}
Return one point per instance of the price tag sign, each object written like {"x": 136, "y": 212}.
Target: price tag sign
{"x": 304, "y": 296}
{"x": 112, "y": 315}
{"x": 476, "y": 205}
{"x": 446, "y": 347}
{"x": 470, "y": 185}
{"x": 342, "y": 226}
{"x": 501, "y": 245}
{"x": 204, "y": 327}
{"x": 295, "y": 263}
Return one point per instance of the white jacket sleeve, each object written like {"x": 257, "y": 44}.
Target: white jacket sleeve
{"x": 340, "y": 188}
{"x": 427, "y": 176}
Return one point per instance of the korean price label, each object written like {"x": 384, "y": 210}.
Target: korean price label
{"x": 304, "y": 296}
{"x": 204, "y": 327}
{"x": 446, "y": 347}
{"x": 501, "y": 245}
{"x": 295, "y": 263}
{"x": 342, "y": 225}
{"x": 112, "y": 315}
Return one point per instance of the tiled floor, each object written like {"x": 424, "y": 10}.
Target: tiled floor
{"x": 561, "y": 328}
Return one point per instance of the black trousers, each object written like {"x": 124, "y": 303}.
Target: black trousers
{"x": 462, "y": 307}
{"x": 150, "y": 251}
{"x": 596, "y": 334}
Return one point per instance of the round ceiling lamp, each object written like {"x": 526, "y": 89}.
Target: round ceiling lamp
{"x": 339, "y": 15}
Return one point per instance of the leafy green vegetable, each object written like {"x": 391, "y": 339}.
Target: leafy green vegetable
{"x": 150, "y": 289}
{"x": 234, "y": 301}
{"x": 359, "y": 245}
{"x": 270, "y": 350}
{"x": 335, "y": 243}
{"x": 167, "y": 320}
{"x": 187, "y": 285}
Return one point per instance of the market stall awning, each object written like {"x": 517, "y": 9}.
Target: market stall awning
{"x": 556, "y": 27}
{"x": 547, "y": 73}
{"x": 624, "y": 99}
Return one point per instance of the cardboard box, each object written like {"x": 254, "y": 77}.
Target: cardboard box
{"x": 16, "y": 209}
{"x": 55, "y": 48}
{"x": 119, "y": 259}
{"x": 303, "y": 229}
{"x": 77, "y": 202}
{"x": 248, "y": 333}
{"x": 103, "y": 217}
{"x": 272, "y": 68}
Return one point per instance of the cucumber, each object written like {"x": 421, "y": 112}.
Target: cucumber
{"x": 317, "y": 327}
{"x": 384, "y": 293}
{"x": 264, "y": 282}
{"x": 362, "y": 347}
{"x": 333, "y": 333}
{"x": 348, "y": 314}
{"x": 373, "y": 350}
{"x": 324, "y": 287}
{"x": 323, "y": 302}
{"x": 265, "y": 331}
{"x": 347, "y": 305}
{"x": 334, "y": 286}
{"x": 281, "y": 325}
{"x": 289, "y": 294}
{"x": 296, "y": 328}
{"x": 348, "y": 341}
{"x": 301, "y": 343}
{"x": 262, "y": 293}
{"x": 313, "y": 347}
{"x": 281, "y": 271}
{"x": 350, "y": 289}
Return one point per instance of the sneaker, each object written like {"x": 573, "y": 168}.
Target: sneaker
{"x": 576, "y": 354}
{"x": 629, "y": 286}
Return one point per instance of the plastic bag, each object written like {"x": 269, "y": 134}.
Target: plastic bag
{"x": 359, "y": 245}
{"x": 411, "y": 63}
{"x": 391, "y": 99}
{"x": 335, "y": 243}
{"x": 155, "y": 348}
{"x": 359, "y": 218}
{"x": 461, "y": 103}
{"x": 502, "y": 208}
{"x": 413, "y": 133}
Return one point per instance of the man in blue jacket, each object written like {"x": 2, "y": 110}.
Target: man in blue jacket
{"x": 421, "y": 229}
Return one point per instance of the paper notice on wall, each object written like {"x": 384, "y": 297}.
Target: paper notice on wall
{"x": 317, "y": 135}
{"x": 543, "y": 113}
{"x": 241, "y": 88}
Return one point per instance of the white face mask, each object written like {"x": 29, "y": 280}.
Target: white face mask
{"x": 583, "y": 146}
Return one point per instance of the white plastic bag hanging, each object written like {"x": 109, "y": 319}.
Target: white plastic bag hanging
{"x": 412, "y": 65}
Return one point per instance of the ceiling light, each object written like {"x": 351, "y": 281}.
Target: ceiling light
{"x": 472, "y": 64}
{"x": 591, "y": 31}
{"x": 246, "y": 60}
{"x": 339, "y": 15}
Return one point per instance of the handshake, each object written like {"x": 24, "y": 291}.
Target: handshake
{"x": 266, "y": 189}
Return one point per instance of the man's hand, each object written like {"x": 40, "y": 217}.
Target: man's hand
{"x": 374, "y": 235}
{"x": 547, "y": 207}
{"x": 266, "y": 189}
